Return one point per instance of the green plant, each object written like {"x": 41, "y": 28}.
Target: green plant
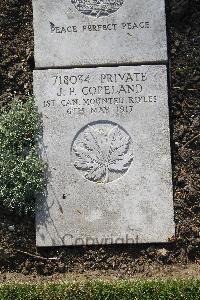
{"x": 21, "y": 170}
{"x": 100, "y": 290}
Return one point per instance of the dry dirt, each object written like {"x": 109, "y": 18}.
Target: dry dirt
{"x": 19, "y": 258}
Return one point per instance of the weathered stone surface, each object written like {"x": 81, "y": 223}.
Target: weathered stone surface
{"x": 107, "y": 144}
{"x": 68, "y": 34}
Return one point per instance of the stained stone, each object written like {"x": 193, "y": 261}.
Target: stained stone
{"x": 87, "y": 33}
{"x": 106, "y": 141}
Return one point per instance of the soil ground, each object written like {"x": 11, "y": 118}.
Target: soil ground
{"x": 19, "y": 258}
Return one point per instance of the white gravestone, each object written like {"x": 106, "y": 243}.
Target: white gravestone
{"x": 72, "y": 33}
{"x": 106, "y": 140}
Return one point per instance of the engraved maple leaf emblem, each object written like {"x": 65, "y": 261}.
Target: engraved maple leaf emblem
{"x": 102, "y": 152}
{"x": 97, "y": 8}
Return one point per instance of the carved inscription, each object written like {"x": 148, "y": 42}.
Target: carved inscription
{"x": 104, "y": 93}
{"x": 97, "y": 8}
{"x": 126, "y": 27}
{"x": 102, "y": 151}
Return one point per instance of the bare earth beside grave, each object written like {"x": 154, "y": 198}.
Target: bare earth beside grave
{"x": 17, "y": 243}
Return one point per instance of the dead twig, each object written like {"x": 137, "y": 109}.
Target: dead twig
{"x": 190, "y": 141}
{"x": 176, "y": 87}
{"x": 37, "y": 256}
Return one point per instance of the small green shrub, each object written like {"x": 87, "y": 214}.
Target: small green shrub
{"x": 21, "y": 170}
